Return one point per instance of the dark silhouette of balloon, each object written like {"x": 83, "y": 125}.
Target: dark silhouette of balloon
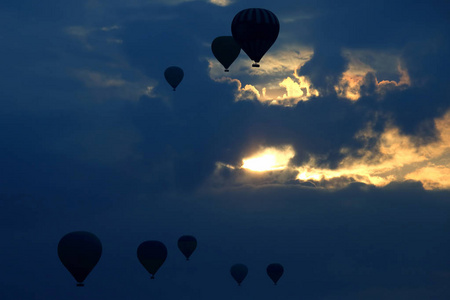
{"x": 226, "y": 50}
{"x": 79, "y": 252}
{"x": 187, "y": 245}
{"x": 174, "y": 75}
{"x": 275, "y": 271}
{"x": 152, "y": 255}
{"x": 239, "y": 272}
{"x": 255, "y": 30}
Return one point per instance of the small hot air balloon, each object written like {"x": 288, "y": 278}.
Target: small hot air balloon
{"x": 255, "y": 30}
{"x": 275, "y": 271}
{"x": 226, "y": 50}
{"x": 239, "y": 272}
{"x": 79, "y": 252}
{"x": 174, "y": 75}
{"x": 152, "y": 255}
{"x": 187, "y": 245}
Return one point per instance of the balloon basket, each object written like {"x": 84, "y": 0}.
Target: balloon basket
{"x": 255, "y": 65}
{"x": 80, "y": 284}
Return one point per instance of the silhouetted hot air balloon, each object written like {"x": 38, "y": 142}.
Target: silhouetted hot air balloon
{"x": 152, "y": 255}
{"x": 187, "y": 245}
{"x": 226, "y": 50}
{"x": 275, "y": 271}
{"x": 79, "y": 251}
{"x": 239, "y": 272}
{"x": 255, "y": 30}
{"x": 174, "y": 75}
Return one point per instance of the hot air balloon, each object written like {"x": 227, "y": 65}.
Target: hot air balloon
{"x": 187, "y": 245}
{"x": 255, "y": 30}
{"x": 174, "y": 75}
{"x": 275, "y": 271}
{"x": 239, "y": 272}
{"x": 226, "y": 50}
{"x": 79, "y": 252}
{"x": 152, "y": 255}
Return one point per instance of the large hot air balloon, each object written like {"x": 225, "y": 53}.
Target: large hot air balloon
{"x": 255, "y": 30}
{"x": 79, "y": 251}
{"x": 187, "y": 245}
{"x": 275, "y": 271}
{"x": 152, "y": 255}
{"x": 174, "y": 75}
{"x": 226, "y": 50}
{"x": 239, "y": 272}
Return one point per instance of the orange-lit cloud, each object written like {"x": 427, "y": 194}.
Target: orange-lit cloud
{"x": 398, "y": 158}
{"x": 432, "y": 177}
{"x": 363, "y": 62}
{"x": 395, "y": 158}
{"x": 276, "y": 82}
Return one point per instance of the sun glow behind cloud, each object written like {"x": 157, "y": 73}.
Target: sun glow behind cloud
{"x": 395, "y": 158}
{"x": 269, "y": 159}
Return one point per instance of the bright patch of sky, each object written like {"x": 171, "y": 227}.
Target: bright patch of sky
{"x": 396, "y": 158}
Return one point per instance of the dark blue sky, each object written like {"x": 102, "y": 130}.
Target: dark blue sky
{"x": 351, "y": 104}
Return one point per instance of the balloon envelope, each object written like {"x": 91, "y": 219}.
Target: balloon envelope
{"x": 239, "y": 272}
{"x": 275, "y": 271}
{"x": 79, "y": 252}
{"x": 187, "y": 245}
{"x": 255, "y": 30}
{"x": 152, "y": 255}
{"x": 226, "y": 50}
{"x": 174, "y": 75}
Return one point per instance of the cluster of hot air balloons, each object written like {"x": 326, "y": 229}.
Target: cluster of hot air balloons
{"x": 240, "y": 271}
{"x": 80, "y": 251}
{"x": 254, "y": 30}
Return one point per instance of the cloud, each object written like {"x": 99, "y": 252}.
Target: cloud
{"x": 269, "y": 159}
{"x": 394, "y": 157}
{"x": 276, "y": 82}
{"x": 221, "y": 2}
{"x": 364, "y": 67}
{"x": 106, "y": 85}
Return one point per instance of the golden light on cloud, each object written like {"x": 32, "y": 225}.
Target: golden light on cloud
{"x": 276, "y": 82}
{"x": 353, "y": 78}
{"x": 398, "y": 159}
{"x": 432, "y": 177}
{"x": 269, "y": 159}
{"x": 395, "y": 158}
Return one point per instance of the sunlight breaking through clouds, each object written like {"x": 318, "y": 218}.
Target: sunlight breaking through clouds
{"x": 363, "y": 69}
{"x": 276, "y": 82}
{"x": 398, "y": 159}
{"x": 395, "y": 158}
{"x": 269, "y": 159}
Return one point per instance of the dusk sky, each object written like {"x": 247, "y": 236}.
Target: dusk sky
{"x": 332, "y": 158}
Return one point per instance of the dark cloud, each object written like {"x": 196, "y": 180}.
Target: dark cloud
{"x": 332, "y": 244}
{"x": 135, "y": 170}
{"x": 325, "y": 68}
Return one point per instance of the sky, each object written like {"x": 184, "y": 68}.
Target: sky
{"x": 331, "y": 159}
